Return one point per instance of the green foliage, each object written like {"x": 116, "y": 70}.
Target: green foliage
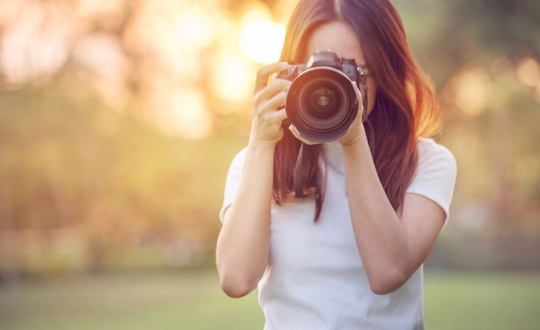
{"x": 67, "y": 161}
{"x": 447, "y": 35}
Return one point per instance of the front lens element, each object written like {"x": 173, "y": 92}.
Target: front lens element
{"x": 321, "y": 101}
{"x": 322, "y": 98}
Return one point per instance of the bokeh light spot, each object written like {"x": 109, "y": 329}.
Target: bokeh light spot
{"x": 255, "y": 11}
{"x": 187, "y": 115}
{"x": 529, "y": 72}
{"x": 234, "y": 78}
{"x": 473, "y": 89}
{"x": 262, "y": 41}
{"x": 196, "y": 29}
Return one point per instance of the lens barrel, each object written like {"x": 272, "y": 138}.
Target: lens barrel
{"x": 322, "y": 104}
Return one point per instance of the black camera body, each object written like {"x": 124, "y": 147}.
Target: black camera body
{"x": 322, "y": 101}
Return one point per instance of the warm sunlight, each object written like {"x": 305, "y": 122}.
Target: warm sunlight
{"x": 197, "y": 29}
{"x": 187, "y": 115}
{"x": 234, "y": 77}
{"x": 261, "y": 38}
{"x": 125, "y": 126}
{"x": 262, "y": 41}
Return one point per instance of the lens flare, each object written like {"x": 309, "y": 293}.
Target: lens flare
{"x": 262, "y": 41}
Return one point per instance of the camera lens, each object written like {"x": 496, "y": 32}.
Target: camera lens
{"x": 322, "y": 101}
{"x": 322, "y": 104}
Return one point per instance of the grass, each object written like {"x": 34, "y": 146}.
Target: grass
{"x": 193, "y": 300}
{"x": 187, "y": 300}
{"x": 482, "y": 301}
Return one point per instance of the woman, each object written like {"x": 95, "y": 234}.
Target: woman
{"x": 350, "y": 255}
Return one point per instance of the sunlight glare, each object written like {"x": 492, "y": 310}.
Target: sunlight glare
{"x": 283, "y": 10}
{"x": 255, "y": 11}
{"x": 234, "y": 77}
{"x": 262, "y": 41}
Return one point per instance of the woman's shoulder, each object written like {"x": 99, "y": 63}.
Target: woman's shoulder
{"x": 435, "y": 158}
{"x": 435, "y": 176}
{"x": 429, "y": 149}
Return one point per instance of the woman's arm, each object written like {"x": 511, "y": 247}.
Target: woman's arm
{"x": 244, "y": 241}
{"x": 392, "y": 247}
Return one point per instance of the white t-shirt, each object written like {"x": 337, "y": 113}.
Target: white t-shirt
{"x": 315, "y": 278}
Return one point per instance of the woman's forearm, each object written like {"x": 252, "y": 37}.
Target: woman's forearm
{"x": 244, "y": 242}
{"x": 380, "y": 236}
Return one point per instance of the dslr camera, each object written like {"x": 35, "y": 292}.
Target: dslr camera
{"x": 322, "y": 102}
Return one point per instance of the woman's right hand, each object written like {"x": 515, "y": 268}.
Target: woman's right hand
{"x": 243, "y": 246}
{"x": 269, "y": 100}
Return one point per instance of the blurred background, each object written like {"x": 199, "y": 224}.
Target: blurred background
{"x": 119, "y": 119}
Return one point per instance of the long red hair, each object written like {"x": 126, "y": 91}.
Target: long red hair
{"x": 404, "y": 110}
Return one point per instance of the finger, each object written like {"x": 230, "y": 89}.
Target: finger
{"x": 274, "y": 88}
{"x": 281, "y": 115}
{"x": 278, "y": 100}
{"x": 299, "y": 137}
{"x": 264, "y": 72}
{"x": 358, "y": 94}
{"x": 361, "y": 102}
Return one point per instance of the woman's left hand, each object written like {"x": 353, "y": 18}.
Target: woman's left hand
{"x": 354, "y": 134}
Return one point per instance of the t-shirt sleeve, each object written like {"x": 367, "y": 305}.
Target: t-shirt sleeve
{"x": 233, "y": 181}
{"x": 436, "y": 174}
